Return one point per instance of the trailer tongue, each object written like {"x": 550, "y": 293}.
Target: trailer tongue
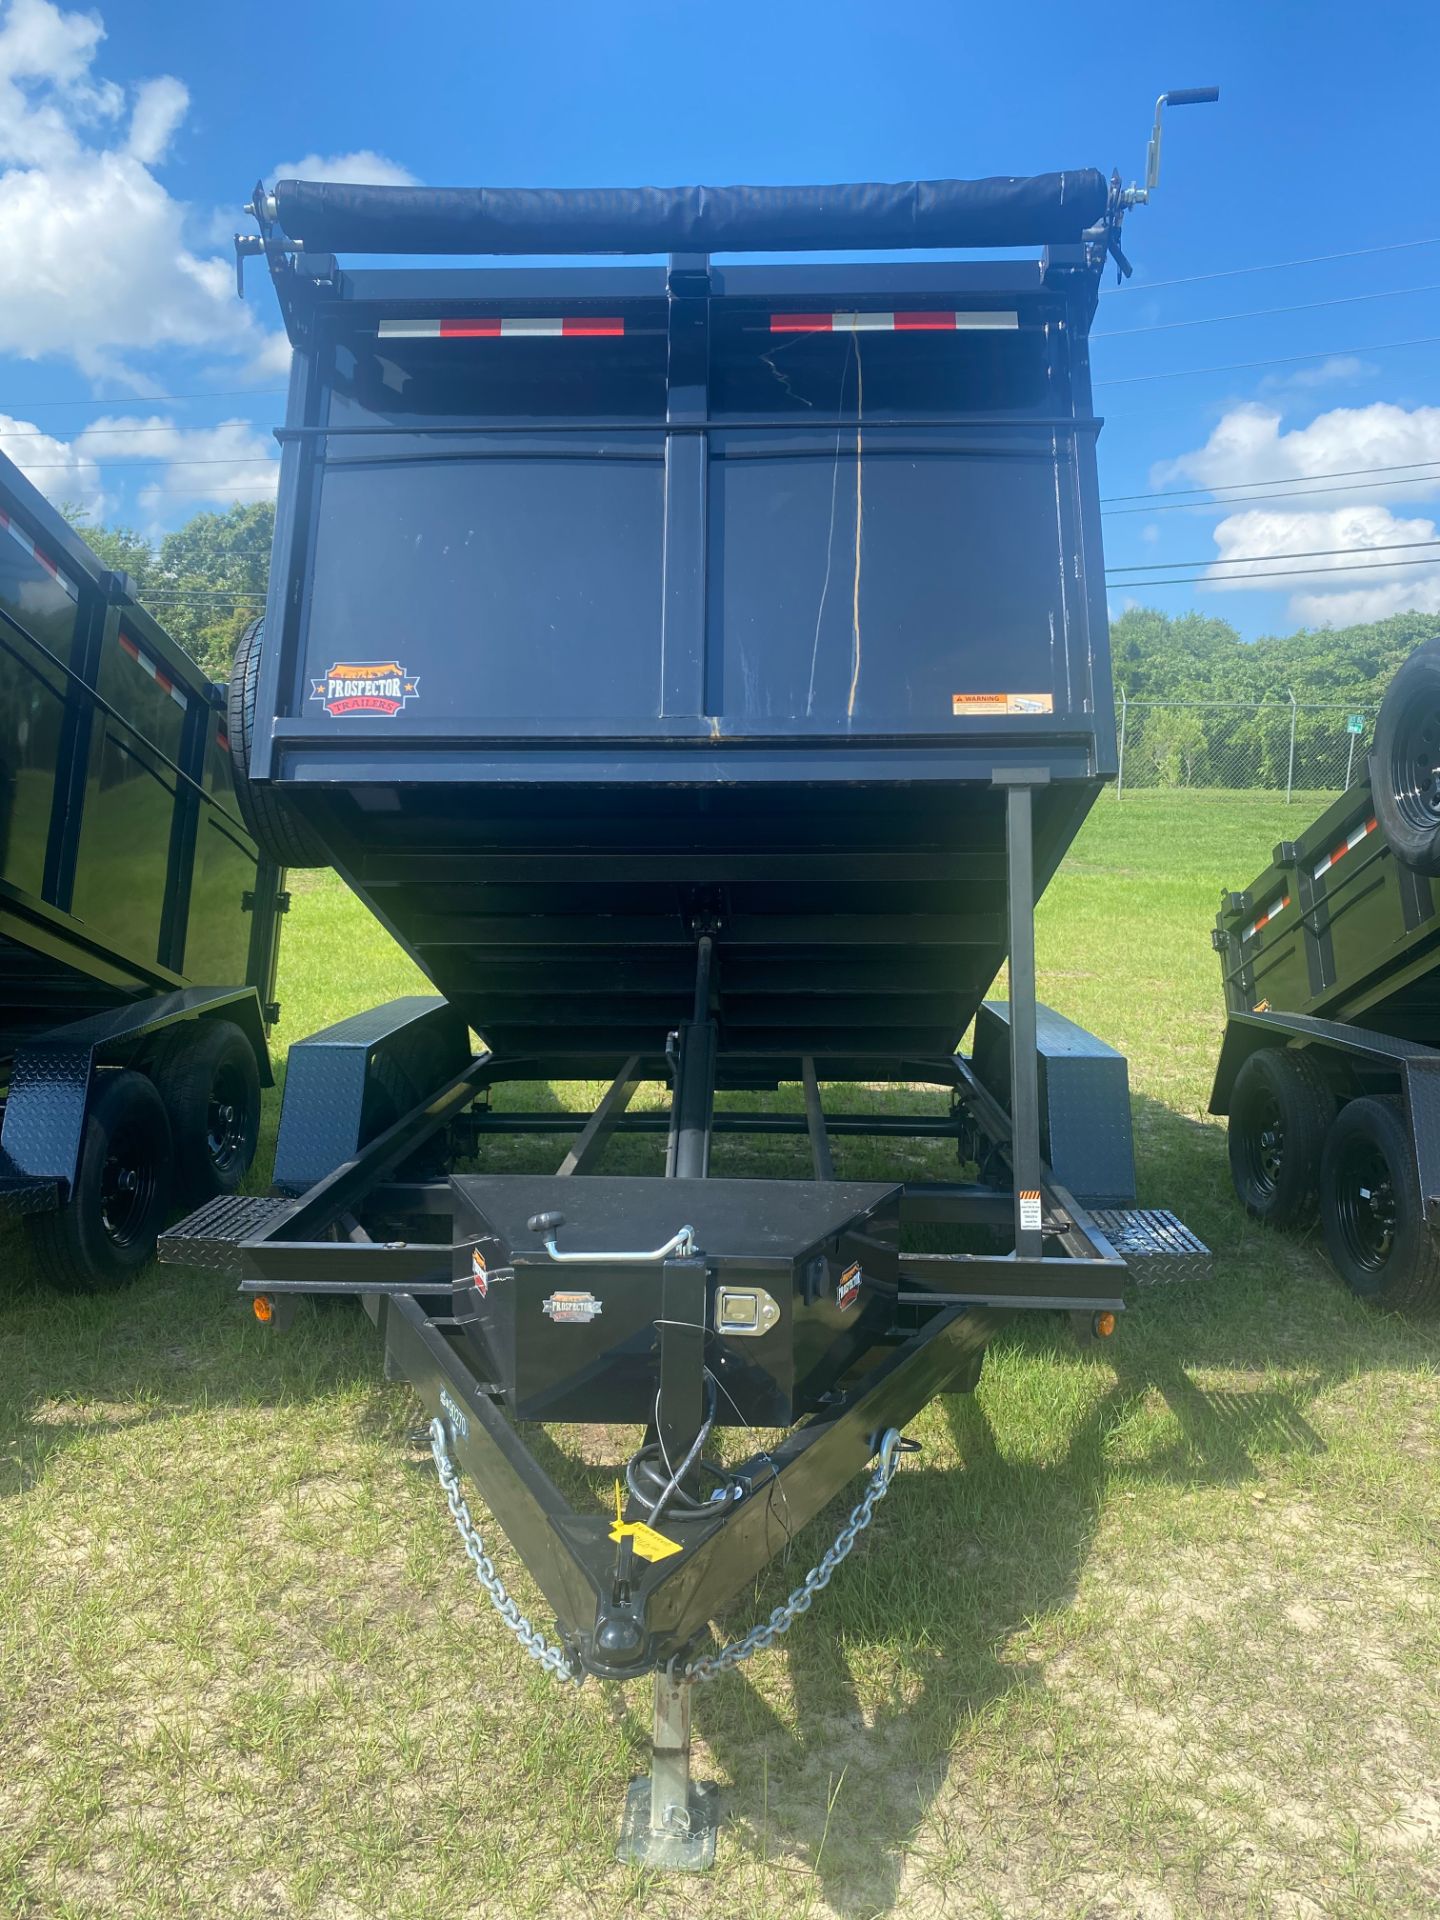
{"x": 700, "y": 669}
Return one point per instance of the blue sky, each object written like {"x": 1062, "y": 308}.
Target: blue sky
{"x": 130, "y": 135}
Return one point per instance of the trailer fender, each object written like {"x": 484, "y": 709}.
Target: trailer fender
{"x": 52, "y": 1075}
{"x": 349, "y": 1082}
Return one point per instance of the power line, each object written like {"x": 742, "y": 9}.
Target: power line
{"x": 1278, "y": 573}
{"x": 1280, "y": 480}
{"x": 1282, "y": 360}
{"x": 1244, "y": 559}
{"x": 1271, "y": 266}
{"x": 154, "y": 399}
{"x": 1256, "y": 499}
{"x": 211, "y": 460}
{"x": 1264, "y": 313}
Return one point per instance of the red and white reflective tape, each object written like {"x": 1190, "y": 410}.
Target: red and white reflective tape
{"x": 547, "y": 327}
{"x": 22, "y": 539}
{"x": 1339, "y": 853}
{"x": 981, "y": 322}
{"x": 156, "y": 672}
{"x": 1270, "y": 913}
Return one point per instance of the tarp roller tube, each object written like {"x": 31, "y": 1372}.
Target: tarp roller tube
{"x": 1046, "y": 209}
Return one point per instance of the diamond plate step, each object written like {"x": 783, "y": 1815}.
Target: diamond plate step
{"x": 1158, "y": 1249}
{"x": 211, "y": 1237}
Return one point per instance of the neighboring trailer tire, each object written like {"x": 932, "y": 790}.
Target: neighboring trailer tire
{"x": 1372, "y": 1209}
{"x": 208, "y": 1077}
{"x": 107, "y": 1231}
{"x": 1405, "y": 763}
{"x": 1280, "y": 1108}
{"x": 286, "y": 841}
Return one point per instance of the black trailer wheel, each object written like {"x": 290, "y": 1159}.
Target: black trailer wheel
{"x": 1279, "y": 1112}
{"x": 1372, "y": 1209}
{"x": 286, "y": 841}
{"x": 209, "y": 1080}
{"x": 1405, "y": 765}
{"x": 107, "y": 1231}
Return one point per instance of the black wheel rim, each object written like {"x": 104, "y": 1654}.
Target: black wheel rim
{"x": 1365, "y": 1204}
{"x": 128, "y": 1182}
{"x": 227, "y": 1120}
{"x": 1264, "y": 1143}
{"x": 1415, "y": 766}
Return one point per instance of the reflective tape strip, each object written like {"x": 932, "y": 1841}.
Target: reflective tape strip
{"x": 157, "y": 673}
{"x": 981, "y": 322}
{"x": 1339, "y": 853}
{"x": 496, "y": 327}
{"x": 1269, "y": 914}
{"x": 38, "y": 554}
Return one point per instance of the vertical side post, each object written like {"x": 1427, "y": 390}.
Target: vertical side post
{"x": 1024, "y": 1066}
{"x": 687, "y": 462}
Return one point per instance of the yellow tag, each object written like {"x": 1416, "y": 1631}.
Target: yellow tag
{"x": 649, "y": 1544}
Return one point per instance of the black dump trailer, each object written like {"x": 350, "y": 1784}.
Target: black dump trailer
{"x": 138, "y": 918}
{"x": 700, "y": 669}
{"x": 1330, "y": 1068}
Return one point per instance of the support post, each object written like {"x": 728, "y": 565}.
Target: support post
{"x": 815, "y": 1121}
{"x": 1024, "y": 1065}
{"x": 1120, "y": 761}
{"x": 601, "y": 1124}
{"x": 670, "y": 1820}
{"x": 1290, "y": 769}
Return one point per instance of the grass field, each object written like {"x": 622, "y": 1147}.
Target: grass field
{"x": 1151, "y": 1632}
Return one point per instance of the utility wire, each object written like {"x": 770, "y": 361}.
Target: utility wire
{"x": 1270, "y": 266}
{"x": 1254, "y": 499}
{"x": 1282, "y": 360}
{"x": 154, "y": 399}
{"x": 1265, "y": 313}
{"x": 1244, "y": 559}
{"x": 1277, "y": 573}
{"x": 1280, "y": 480}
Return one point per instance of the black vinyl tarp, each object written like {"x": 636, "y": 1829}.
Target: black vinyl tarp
{"x": 1045, "y": 209}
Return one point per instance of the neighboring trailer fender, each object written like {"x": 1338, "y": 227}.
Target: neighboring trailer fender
{"x": 278, "y": 835}
{"x": 53, "y": 1073}
{"x": 349, "y": 1082}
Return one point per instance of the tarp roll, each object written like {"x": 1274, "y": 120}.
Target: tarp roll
{"x": 1045, "y": 209}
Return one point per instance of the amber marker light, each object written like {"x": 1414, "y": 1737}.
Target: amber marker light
{"x": 264, "y": 1308}
{"x": 1103, "y": 1323}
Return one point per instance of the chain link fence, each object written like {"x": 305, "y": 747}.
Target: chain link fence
{"x": 1279, "y": 744}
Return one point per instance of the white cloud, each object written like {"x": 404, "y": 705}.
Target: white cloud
{"x": 1339, "y": 370}
{"x": 60, "y": 469}
{"x": 1358, "y": 605}
{"x": 1248, "y": 445}
{"x": 363, "y": 168}
{"x": 1337, "y": 538}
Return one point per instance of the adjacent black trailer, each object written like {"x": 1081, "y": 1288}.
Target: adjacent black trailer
{"x": 1330, "y": 1069}
{"x": 700, "y": 669}
{"x": 138, "y": 918}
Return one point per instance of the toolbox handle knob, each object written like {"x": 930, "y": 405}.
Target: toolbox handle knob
{"x": 545, "y": 1222}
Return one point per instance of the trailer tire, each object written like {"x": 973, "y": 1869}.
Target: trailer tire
{"x": 1405, "y": 762}
{"x": 1280, "y": 1110}
{"x": 209, "y": 1080}
{"x": 106, "y": 1232}
{"x": 280, "y": 837}
{"x": 1372, "y": 1208}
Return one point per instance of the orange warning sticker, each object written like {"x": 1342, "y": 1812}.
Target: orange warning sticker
{"x": 964, "y": 705}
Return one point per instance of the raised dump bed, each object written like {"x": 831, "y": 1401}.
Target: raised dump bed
{"x": 700, "y": 669}
{"x": 1330, "y": 1070}
{"x": 138, "y": 919}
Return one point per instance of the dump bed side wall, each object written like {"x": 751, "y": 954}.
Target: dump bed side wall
{"x": 124, "y": 866}
{"x": 1337, "y": 927}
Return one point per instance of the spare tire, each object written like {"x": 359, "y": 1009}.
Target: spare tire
{"x": 1405, "y": 762}
{"x": 278, "y": 834}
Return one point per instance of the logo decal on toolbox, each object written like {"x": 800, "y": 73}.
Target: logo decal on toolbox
{"x": 573, "y": 1309}
{"x": 479, "y": 1272}
{"x": 848, "y": 1291}
{"x": 365, "y": 687}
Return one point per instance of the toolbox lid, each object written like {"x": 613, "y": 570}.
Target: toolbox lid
{"x": 738, "y": 1219}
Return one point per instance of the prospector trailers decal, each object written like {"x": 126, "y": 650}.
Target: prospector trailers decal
{"x": 379, "y": 687}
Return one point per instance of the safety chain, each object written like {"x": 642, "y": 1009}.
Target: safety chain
{"x": 553, "y": 1659}
{"x": 767, "y": 1632}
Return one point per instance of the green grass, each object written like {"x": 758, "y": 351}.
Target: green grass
{"x": 1149, "y": 1631}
